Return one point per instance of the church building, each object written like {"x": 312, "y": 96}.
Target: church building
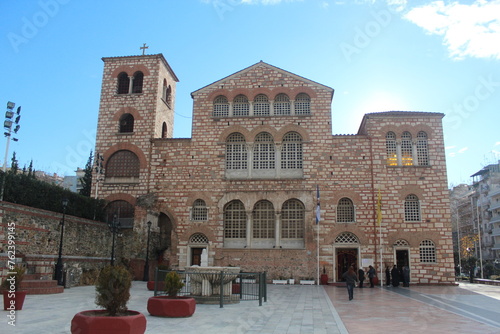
{"x": 262, "y": 183}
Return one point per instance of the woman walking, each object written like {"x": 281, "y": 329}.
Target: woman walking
{"x": 350, "y": 278}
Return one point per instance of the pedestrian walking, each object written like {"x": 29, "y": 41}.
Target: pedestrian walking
{"x": 395, "y": 276}
{"x": 361, "y": 277}
{"x": 371, "y": 275}
{"x": 387, "y": 276}
{"x": 350, "y": 278}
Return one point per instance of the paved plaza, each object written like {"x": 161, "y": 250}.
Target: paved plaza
{"x": 467, "y": 308}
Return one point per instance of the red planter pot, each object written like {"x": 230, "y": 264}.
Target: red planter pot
{"x": 151, "y": 286}
{"x": 164, "y": 306}
{"x": 13, "y": 300}
{"x": 94, "y": 321}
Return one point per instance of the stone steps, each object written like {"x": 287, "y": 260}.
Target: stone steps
{"x": 36, "y": 285}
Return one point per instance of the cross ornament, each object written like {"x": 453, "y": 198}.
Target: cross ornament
{"x": 143, "y": 48}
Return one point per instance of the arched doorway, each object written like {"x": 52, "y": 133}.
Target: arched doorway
{"x": 346, "y": 253}
{"x": 198, "y": 243}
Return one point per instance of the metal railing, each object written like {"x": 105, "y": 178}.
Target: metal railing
{"x": 225, "y": 287}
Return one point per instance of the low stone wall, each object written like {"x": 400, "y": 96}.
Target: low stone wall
{"x": 31, "y": 238}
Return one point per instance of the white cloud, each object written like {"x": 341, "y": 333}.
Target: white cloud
{"x": 468, "y": 30}
{"x": 462, "y": 150}
{"x": 497, "y": 143}
{"x": 449, "y": 147}
{"x": 266, "y": 2}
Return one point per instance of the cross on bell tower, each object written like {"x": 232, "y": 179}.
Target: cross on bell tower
{"x": 143, "y": 48}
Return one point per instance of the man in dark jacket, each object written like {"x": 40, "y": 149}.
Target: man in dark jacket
{"x": 361, "y": 277}
{"x": 395, "y": 276}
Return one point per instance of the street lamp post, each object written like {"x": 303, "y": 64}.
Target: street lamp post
{"x": 145, "y": 278}
{"x": 114, "y": 227}
{"x": 59, "y": 265}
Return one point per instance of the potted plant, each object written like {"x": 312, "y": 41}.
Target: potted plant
{"x": 307, "y": 281}
{"x": 112, "y": 293}
{"x": 160, "y": 276}
{"x": 280, "y": 280}
{"x": 13, "y": 296}
{"x": 172, "y": 305}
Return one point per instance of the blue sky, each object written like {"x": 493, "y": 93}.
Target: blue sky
{"x": 378, "y": 55}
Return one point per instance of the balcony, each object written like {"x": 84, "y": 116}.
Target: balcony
{"x": 494, "y": 205}
{"x": 494, "y": 192}
{"x": 496, "y": 247}
{"x": 495, "y": 232}
{"x": 495, "y": 219}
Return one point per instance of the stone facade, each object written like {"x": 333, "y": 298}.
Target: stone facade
{"x": 284, "y": 153}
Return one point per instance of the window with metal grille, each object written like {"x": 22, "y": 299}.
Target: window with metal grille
{"x": 221, "y": 107}
{"x": 137, "y": 82}
{"x": 422, "y": 150}
{"x": 123, "y": 211}
{"x": 406, "y": 149}
{"x": 263, "y": 219}
{"x": 281, "y": 105}
{"x": 241, "y": 107}
{"x": 263, "y": 151}
{"x": 126, "y": 123}
{"x": 412, "y": 208}
{"x": 123, "y": 83}
{"x": 236, "y": 152}
{"x": 292, "y": 219}
{"x": 345, "y": 211}
{"x": 427, "y": 252}
{"x": 235, "y": 220}
{"x": 302, "y": 104}
{"x": 261, "y": 105}
{"x": 390, "y": 147}
{"x": 123, "y": 164}
{"x": 291, "y": 151}
{"x": 199, "y": 211}
{"x": 346, "y": 238}
{"x": 198, "y": 238}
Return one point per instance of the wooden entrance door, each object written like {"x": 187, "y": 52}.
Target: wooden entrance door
{"x": 196, "y": 256}
{"x": 346, "y": 257}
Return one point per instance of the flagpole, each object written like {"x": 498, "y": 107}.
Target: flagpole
{"x": 379, "y": 222}
{"x": 318, "y": 216}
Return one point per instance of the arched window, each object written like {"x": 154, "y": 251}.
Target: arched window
{"x": 164, "y": 130}
{"x": 302, "y": 104}
{"x": 345, "y": 211}
{"x": 121, "y": 210}
{"x": 261, "y": 105}
{"x": 263, "y": 220}
{"x": 422, "y": 150}
{"x": 412, "y": 208}
{"x": 236, "y": 152}
{"x": 241, "y": 107}
{"x": 427, "y": 251}
{"x": 123, "y": 164}
{"x": 137, "y": 83}
{"x": 263, "y": 153}
{"x": 123, "y": 83}
{"x": 390, "y": 147}
{"x": 291, "y": 151}
{"x": 199, "y": 211}
{"x": 235, "y": 220}
{"x": 126, "y": 123}
{"x": 198, "y": 238}
{"x": 292, "y": 219}
{"x": 406, "y": 149}
{"x": 167, "y": 92}
{"x": 346, "y": 238}
{"x": 281, "y": 105}
{"x": 221, "y": 107}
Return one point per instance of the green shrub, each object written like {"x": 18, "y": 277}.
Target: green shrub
{"x": 113, "y": 289}
{"x": 18, "y": 274}
{"x": 173, "y": 284}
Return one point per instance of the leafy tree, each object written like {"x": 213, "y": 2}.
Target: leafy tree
{"x": 86, "y": 180}
{"x": 14, "y": 166}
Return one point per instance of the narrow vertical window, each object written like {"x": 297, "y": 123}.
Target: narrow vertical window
{"x": 422, "y": 150}
{"x": 164, "y": 132}
{"x": 345, "y": 211}
{"x": 241, "y": 107}
{"x": 292, "y": 219}
{"x": 412, "y": 208}
{"x": 263, "y": 153}
{"x": 123, "y": 83}
{"x": 291, "y": 151}
{"x": 427, "y": 252}
{"x": 261, "y": 105}
{"x": 406, "y": 149}
{"x": 281, "y": 105}
{"x": 236, "y": 152}
{"x": 235, "y": 220}
{"x": 390, "y": 147}
{"x": 126, "y": 123}
{"x": 221, "y": 107}
{"x": 263, "y": 220}
{"x": 302, "y": 104}
{"x": 137, "y": 83}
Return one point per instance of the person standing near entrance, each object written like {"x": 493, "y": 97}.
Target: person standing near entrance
{"x": 350, "y": 278}
{"x": 361, "y": 277}
{"x": 371, "y": 275}
{"x": 387, "y": 276}
{"x": 395, "y": 276}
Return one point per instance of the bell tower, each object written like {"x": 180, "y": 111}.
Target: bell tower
{"x": 136, "y": 105}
